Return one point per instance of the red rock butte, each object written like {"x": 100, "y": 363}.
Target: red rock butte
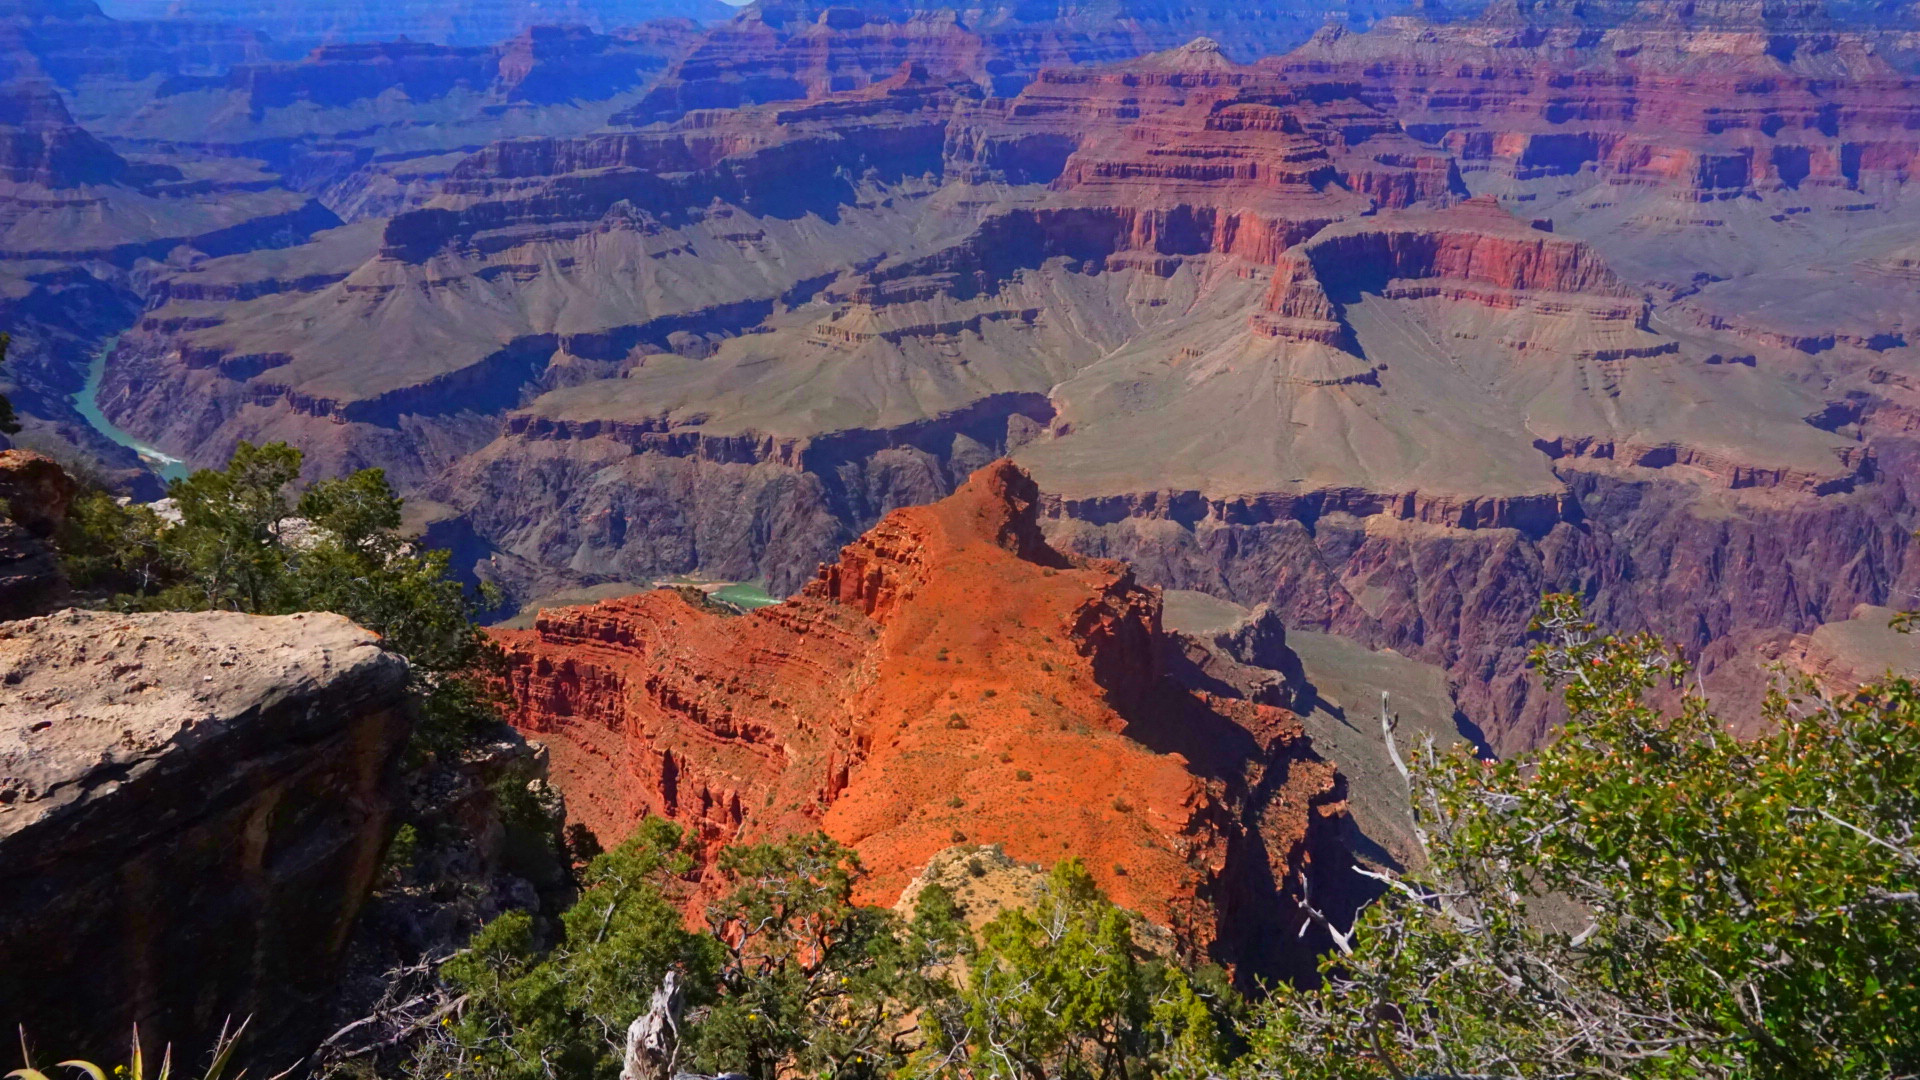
{"x": 951, "y": 679}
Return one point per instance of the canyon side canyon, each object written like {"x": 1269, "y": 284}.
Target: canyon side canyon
{"x": 1115, "y": 397}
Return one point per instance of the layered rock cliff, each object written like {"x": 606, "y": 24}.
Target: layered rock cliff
{"x": 192, "y": 811}
{"x": 1297, "y": 332}
{"x": 73, "y": 43}
{"x": 369, "y": 127}
{"x": 950, "y": 679}
{"x": 462, "y": 22}
{"x": 40, "y": 144}
{"x": 1692, "y": 145}
{"x": 781, "y": 50}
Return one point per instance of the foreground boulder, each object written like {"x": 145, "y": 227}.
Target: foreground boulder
{"x": 192, "y": 811}
{"x": 35, "y": 494}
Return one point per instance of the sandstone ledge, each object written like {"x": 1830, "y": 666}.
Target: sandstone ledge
{"x": 192, "y": 810}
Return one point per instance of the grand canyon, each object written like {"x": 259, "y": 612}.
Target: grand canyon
{"x": 1100, "y": 405}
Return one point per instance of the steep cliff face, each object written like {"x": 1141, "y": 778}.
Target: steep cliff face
{"x": 540, "y": 65}
{"x": 460, "y": 22}
{"x": 950, "y": 679}
{"x": 700, "y": 230}
{"x": 1182, "y": 157}
{"x": 770, "y": 55}
{"x": 1719, "y": 574}
{"x": 1846, "y": 654}
{"x": 193, "y": 809}
{"x": 1701, "y": 116}
{"x": 196, "y": 140}
{"x": 369, "y": 127}
{"x": 85, "y": 52}
{"x": 40, "y": 144}
{"x": 34, "y": 496}
{"x": 1159, "y": 174}
{"x": 1193, "y": 154}
{"x": 780, "y": 50}
{"x": 1695, "y": 147}
{"x": 71, "y": 198}
{"x": 1206, "y": 303}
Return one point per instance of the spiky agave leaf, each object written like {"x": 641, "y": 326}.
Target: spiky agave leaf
{"x": 223, "y": 1048}
{"x": 93, "y": 1071}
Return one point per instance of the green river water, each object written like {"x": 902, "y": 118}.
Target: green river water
{"x": 87, "y": 402}
{"x": 745, "y": 596}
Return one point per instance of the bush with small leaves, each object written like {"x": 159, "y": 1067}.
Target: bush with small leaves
{"x": 1065, "y": 991}
{"x": 9, "y": 424}
{"x": 562, "y": 1012}
{"x": 1647, "y": 896}
{"x": 812, "y": 983}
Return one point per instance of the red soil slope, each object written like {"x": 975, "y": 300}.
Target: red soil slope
{"x": 951, "y": 679}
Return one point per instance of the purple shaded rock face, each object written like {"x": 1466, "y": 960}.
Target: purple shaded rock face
{"x": 458, "y": 22}
{"x": 40, "y": 143}
{"x": 192, "y": 811}
{"x": 1726, "y": 587}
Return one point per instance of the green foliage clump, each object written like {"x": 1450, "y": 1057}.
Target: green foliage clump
{"x": 401, "y": 850}
{"x": 792, "y": 978}
{"x": 1066, "y": 991}
{"x": 563, "y": 1012}
{"x": 1648, "y": 896}
{"x": 246, "y": 539}
{"x": 813, "y": 983}
{"x": 112, "y": 547}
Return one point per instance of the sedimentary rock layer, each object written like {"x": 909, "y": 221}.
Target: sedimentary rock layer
{"x": 950, "y": 679}
{"x": 792, "y": 49}
{"x": 462, "y": 22}
{"x": 1245, "y": 322}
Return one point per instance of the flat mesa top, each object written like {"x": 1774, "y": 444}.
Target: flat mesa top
{"x": 89, "y": 698}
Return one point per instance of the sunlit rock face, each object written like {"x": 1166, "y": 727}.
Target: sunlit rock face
{"x": 949, "y": 679}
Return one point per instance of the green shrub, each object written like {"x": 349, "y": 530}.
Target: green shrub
{"x": 246, "y": 540}
{"x": 1064, "y": 991}
{"x": 9, "y": 424}
{"x": 563, "y": 1011}
{"x": 1646, "y": 896}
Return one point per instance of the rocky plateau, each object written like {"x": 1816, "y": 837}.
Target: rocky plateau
{"x": 1390, "y": 325}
